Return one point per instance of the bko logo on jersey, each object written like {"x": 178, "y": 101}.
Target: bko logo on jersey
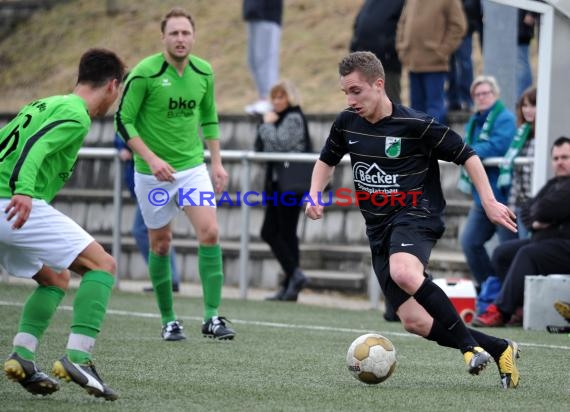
{"x": 372, "y": 179}
{"x": 180, "y": 107}
{"x": 181, "y": 104}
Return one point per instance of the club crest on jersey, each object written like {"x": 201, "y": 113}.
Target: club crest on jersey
{"x": 393, "y": 146}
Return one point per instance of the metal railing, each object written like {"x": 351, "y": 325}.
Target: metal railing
{"x": 246, "y": 158}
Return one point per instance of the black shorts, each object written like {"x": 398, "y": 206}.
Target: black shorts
{"x": 407, "y": 238}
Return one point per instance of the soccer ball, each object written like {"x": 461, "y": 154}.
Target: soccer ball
{"x": 371, "y": 358}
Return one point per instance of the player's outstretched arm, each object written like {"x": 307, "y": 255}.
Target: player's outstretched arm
{"x": 322, "y": 174}
{"x": 497, "y": 212}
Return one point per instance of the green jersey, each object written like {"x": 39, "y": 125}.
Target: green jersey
{"x": 38, "y": 148}
{"x": 166, "y": 110}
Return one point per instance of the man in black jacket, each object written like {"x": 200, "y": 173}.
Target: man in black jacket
{"x": 548, "y": 249}
{"x": 375, "y": 31}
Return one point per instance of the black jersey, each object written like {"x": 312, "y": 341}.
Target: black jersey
{"x": 396, "y": 161}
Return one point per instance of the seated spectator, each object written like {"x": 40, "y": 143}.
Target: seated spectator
{"x": 489, "y": 132}
{"x": 520, "y": 176}
{"x": 548, "y": 249}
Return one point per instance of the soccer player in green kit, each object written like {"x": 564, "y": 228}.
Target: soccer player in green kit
{"x": 168, "y": 96}
{"x": 38, "y": 150}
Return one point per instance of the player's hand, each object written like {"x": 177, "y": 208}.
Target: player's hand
{"x": 219, "y": 177}
{"x": 314, "y": 211}
{"x": 20, "y": 207}
{"x": 162, "y": 170}
{"x": 500, "y": 214}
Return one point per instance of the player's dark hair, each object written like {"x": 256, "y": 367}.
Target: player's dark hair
{"x": 176, "y": 12}
{"x": 98, "y": 66}
{"x": 364, "y": 62}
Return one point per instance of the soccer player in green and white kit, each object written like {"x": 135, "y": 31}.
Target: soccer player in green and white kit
{"x": 38, "y": 150}
{"x": 168, "y": 96}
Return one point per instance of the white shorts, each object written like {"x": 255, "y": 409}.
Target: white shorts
{"x": 160, "y": 202}
{"x": 47, "y": 238}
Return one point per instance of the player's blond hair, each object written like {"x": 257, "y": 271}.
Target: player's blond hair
{"x": 176, "y": 12}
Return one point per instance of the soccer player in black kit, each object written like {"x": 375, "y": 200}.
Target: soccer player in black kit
{"x": 394, "y": 153}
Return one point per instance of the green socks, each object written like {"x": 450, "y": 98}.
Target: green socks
{"x": 36, "y": 316}
{"x": 89, "y": 309}
{"x": 212, "y": 277}
{"x": 161, "y": 278}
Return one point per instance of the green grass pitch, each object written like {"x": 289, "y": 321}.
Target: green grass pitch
{"x": 286, "y": 357}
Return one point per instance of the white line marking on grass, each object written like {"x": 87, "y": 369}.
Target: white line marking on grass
{"x": 277, "y": 325}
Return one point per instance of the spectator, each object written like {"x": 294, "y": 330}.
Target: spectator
{"x": 263, "y": 19}
{"x": 521, "y": 178}
{"x": 284, "y": 130}
{"x": 489, "y": 132}
{"x": 526, "y": 25}
{"x": 375, "y": 31}
{"x": 461, "y": 62}
{"x": 522, "y": 145}
{"x": 139, "y": 229}
{"x": 548, "y": 249}
{"x": 428, "y": 33}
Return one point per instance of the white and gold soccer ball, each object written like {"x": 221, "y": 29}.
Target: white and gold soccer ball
{"x": 371, "y": 358}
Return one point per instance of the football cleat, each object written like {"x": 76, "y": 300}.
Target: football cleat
{"x": 85, "y": 376}
{"x": 507, "y": 364}
{"x": 476, "y": 359}
{"x": 558, "y": 329}
{"x": 216, "y": 328}
{"x": 173, "y": 331}
{"x": 27, "y": 374}
{"x": 563, "y": 308}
